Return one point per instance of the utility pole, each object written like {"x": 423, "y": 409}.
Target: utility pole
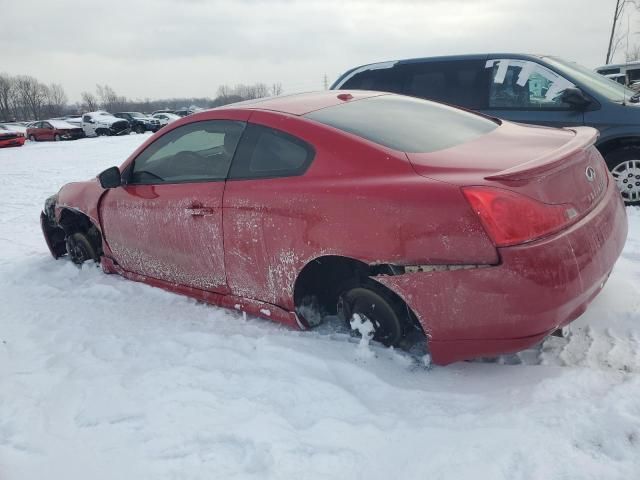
{"x": 325, "y": 82}
{"x": 616, "y": 16}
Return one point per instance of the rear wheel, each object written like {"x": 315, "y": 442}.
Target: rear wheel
{"x": 32, "y": 138}
{"x": 80, "y": 249}
{"x": 624, "y": 164}
{"x": 371, "y": 303}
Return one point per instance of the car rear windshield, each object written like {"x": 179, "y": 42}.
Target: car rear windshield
{"x": 405, "y": 123}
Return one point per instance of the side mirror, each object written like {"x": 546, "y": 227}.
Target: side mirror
{"x": 110, "y": 178}
{"x": 574, "y": 97}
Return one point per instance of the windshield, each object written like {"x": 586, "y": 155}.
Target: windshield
{"x": 138, "y": 115}
{"x": 600, "y": 84}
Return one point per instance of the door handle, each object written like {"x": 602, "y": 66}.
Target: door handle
{"x": 199, "y": 211}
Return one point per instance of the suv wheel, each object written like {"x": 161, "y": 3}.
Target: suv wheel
{"x": 624, "y": 164}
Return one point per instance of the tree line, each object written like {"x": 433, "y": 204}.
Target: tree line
{"x": 23, "y": 97}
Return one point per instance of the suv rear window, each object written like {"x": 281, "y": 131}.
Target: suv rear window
{"x": 404, "y": 123}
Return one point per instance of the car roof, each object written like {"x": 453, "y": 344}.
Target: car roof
{"x": 442, "y": 58}
{"x": 303, "y": 103}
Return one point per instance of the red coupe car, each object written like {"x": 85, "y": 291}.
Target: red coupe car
{"x": 54, "y": 130}
{"x": 482, "y": 234}
{"x": 10, "y": 137}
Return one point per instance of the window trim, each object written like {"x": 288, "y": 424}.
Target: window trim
{"x": 128, "y": 171}
{"x": 246, "y": 148}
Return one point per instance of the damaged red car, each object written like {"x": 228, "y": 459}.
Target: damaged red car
{"x": 484, "y": 235}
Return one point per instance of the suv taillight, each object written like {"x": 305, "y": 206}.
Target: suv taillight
{"x": 512, "y": 219}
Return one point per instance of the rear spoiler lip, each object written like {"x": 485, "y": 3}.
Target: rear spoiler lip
{"x": 584, "y": 137}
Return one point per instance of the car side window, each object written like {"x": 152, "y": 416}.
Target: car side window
{"x": 197, "y": 152}
{"x": 460, "y": 82}
{"x": 86, "y": 118}
{"x": 267, "y": 153}
{"x": 525, "y": 85}
{"x": 379, "y": 79}
{"x": 633, "y": 74}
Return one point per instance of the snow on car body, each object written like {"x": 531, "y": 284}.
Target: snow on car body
{"x": 485, "y": 235}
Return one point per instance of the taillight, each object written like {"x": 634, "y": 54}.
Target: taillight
{"x": 511, "y": 219}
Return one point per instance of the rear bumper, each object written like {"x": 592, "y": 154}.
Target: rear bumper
{"x": 536, "y": 288}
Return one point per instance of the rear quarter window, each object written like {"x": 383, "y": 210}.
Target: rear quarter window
{"x": 404, "y": 123}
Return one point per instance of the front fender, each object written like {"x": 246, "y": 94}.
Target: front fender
{"x": 82, "y": 197}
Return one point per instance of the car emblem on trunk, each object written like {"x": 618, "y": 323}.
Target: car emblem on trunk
{"x": 590, "y": 173}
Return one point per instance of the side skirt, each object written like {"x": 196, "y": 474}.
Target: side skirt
{"x": 252, "y": 307}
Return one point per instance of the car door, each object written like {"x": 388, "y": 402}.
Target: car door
{"x": 166, "y": 221}
{"x": 528, "y": 92}
{"x": 88, "y": 125}
{"x": 35, "y": 130}
{"x": 47, "y": 131}
{"x": 259, "y": 232}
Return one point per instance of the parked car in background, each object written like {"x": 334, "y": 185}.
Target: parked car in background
{"x": 629, "y": 72}
{"x": 139, "y": 122}
{"x": 55, "y": 130}
{"x": 533, "y": 89}
{"x": 161, "y": 111}
{"x": 472, "y": 234}
{"x": 183, "y": 112}
{"x": 103, "y": 123}
{"x": 10, "y": 137}
{"x": 16, "y": 127}
{"x": 166, "y": 118}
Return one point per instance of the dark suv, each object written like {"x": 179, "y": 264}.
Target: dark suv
{"x": 139, "y": 123}
{"x": 523, "y": 88}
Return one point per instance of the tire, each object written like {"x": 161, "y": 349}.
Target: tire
{"x": 80, "y": 249}
{"x": 32, "y": 138}
{"x": 373, "y": 304}
{"x": 56, "y": 137}
{"x": 624, "y": 164}
{"x": 140, "y": 129}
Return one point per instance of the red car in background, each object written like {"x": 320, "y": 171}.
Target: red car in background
{"x": 55, "y": 130}
{"x": 484, "y": 235}
{"x": 10, "y": 138}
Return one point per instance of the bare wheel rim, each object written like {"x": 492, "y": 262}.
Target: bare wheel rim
{"x": 627, "y": 176}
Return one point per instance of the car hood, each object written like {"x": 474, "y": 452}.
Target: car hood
{"x": 108, "y": 120}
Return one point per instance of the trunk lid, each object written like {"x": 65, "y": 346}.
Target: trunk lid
{"x": 553, "y": 166}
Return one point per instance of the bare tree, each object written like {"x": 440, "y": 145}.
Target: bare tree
{"x": 276, "y": 89}
{"x": 56, "y": 100}
{"x": 633, "y": 54}
{"x": 89, "y": 102}
{"x": 6, "y": 97}
{"x": 110, "y": 101}
{"x": 32, "y": 95}
{"x": 614, "y": 40}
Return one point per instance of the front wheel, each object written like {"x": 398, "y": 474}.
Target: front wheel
{"x": 373, "y": 306}
{"x": 32, "y": 138}
{"x": 140, "y": 129}
{"x": 80, "y": 249}
{"x": 624, "y": 164}
{"x": 56, "y": 137}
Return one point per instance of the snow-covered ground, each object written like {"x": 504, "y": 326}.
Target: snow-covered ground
{"x": 103, "y": 378}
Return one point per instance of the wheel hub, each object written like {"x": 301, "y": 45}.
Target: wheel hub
{"x": 627, "y": 176}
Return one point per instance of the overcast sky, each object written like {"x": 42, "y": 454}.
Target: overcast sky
{"x": 170, "y": 48}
